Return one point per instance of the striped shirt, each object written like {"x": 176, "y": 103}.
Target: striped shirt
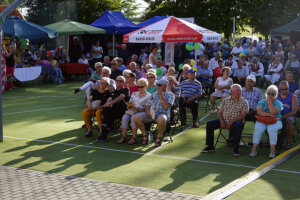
{"x": 190, "y": 89}
{"x": 253, "y": 96}
{"x": 156, "y": 104}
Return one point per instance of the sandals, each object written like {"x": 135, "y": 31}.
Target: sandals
{"x": 131, "y": 141}
{"x": 145, "y": 140}
{"x": 158, "y": 141}
{"x": 122, "y": 140}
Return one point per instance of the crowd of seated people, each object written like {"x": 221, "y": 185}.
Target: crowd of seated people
{"x": 147, "y": 92}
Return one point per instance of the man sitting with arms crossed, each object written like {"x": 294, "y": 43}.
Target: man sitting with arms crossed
{"x": 231, "y": 114}
{"x": 290, "y": 108}
{"x": 160, "y": 104}
{"x": 191, "y": 91}
{"x": 253, "y": 95}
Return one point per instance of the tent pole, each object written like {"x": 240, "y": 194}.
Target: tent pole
{"x": 113, "y": 45}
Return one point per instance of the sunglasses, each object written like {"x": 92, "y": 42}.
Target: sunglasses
{"x": 113, "y": 63}
{"x": 141, "y": 86}
{"x": 271, "y": 94}
{"x": 158, "y": 85}
{"x": 150, "y": 77}
{"x": 119, "y": 81}
{"x": 103, "y": 83}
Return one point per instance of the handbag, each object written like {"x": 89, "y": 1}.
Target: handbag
{"x": 266, "y": 119}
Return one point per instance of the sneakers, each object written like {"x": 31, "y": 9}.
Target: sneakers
{"x": 88, "y": 134}
{"x": 195, "y": 124}
{"x": 208, "y": 149}
{"x": 253, "y": 153}
{"x": 236, "y": 153}
{"x": 76, "y": 90}
{"x": 272, "y": 154}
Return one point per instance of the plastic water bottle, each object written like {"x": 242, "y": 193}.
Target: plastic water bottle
{"x": 150, "y": 138}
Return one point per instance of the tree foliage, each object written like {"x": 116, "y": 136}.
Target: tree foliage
{"x": 88, "y": 10}
{"x": 267, "y": 15}
{"x": 217, "y": 15}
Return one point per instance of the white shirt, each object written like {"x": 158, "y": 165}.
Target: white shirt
{"x": 150, "y": 61}
{"x": 97, "y": 55}
{"x": 139, "y": 102}
{"x": 213, "y": 63}
{"x": 236, "y": 50}
{"x": 85, "y": 61}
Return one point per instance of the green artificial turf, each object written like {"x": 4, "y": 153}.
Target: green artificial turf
{"x": 179, "y": 166}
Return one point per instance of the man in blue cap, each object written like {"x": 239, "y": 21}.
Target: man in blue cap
{"x": 191, "y": 91}
{"x": 158, "y": 110}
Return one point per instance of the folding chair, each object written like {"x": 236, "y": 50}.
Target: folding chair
{"x": 226, "y": 139}
{"x": 93, "y": 124}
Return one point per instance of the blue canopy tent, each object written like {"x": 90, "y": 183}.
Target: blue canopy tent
{"x": 151, "y": 21}
{"x": 114, "y": 22}
{"x": 14, "y": 26}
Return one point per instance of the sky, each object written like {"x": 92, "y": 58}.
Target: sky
{"x": 142, "y": 7}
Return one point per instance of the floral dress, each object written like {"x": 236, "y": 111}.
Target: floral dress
{"x": 3, "y": 70}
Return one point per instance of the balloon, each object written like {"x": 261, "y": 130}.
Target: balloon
{"x": 24, "y": 43}
{"x": 190, "y": 43}
{"x": 158, "y": 72}
{"x": 189, "y": 47}
{"x": 192, "y": 62}
{"x": 245, "y": 51}
{"x": 241, "y": 54}
{"x": 180, "y": 66}
{"x": 194, "y": 68}
{"x": 49, "y": 53}
{"x": 197, "y": 45}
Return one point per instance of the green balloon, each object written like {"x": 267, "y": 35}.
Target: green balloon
{"x": 197, "y": 45}
{"x": 189, "y": 47}
{"x": 180, "y": 66}
{"x": 24, "y": 43}
{"x": 158, "y": 72}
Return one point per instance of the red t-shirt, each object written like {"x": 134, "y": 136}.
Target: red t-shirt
{"x": 218, "y": 72}
{"x": 132, "y": 89}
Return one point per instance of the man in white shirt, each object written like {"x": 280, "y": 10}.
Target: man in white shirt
{"x": 236, "y": 51}
{"x": 213, "y": 63}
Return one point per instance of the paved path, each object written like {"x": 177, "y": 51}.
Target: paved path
{"x": 24, "y": 184}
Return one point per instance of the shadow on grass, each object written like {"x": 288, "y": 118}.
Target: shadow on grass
{"x": 90, "y": 157}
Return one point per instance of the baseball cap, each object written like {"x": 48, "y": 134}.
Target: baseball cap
{"x": 162, "y": 82}
{"x": 251, "y": 77}
{"x": 191, "y": 71}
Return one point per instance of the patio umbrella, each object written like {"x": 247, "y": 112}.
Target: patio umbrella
{"x": 67, "y": 27}
{"x": 14, "y": 26}
{"x": 172, "y": 29}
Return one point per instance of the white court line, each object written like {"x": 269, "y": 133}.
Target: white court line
{"x": 145, "y": 154}
{"x": 178, "y": 134}
{"x": 38, "y": 110}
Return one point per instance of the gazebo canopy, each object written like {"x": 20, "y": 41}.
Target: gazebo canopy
{"x": 287, "y": 28}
